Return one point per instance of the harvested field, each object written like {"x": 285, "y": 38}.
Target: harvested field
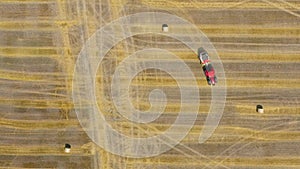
{"x": 258, "y": 45}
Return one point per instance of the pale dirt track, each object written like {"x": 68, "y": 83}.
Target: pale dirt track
{"x": 258, "y": 42}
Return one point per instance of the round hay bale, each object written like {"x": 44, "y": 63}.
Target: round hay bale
{"x": 165, "y": 28}
{"x": 67, "y": 148}
{"x": 259, "y": 108}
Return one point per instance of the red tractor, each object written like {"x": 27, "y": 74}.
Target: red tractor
{"x": 207, "y": 67}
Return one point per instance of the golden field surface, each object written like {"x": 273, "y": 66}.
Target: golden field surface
{"x": 258, "y": 42}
